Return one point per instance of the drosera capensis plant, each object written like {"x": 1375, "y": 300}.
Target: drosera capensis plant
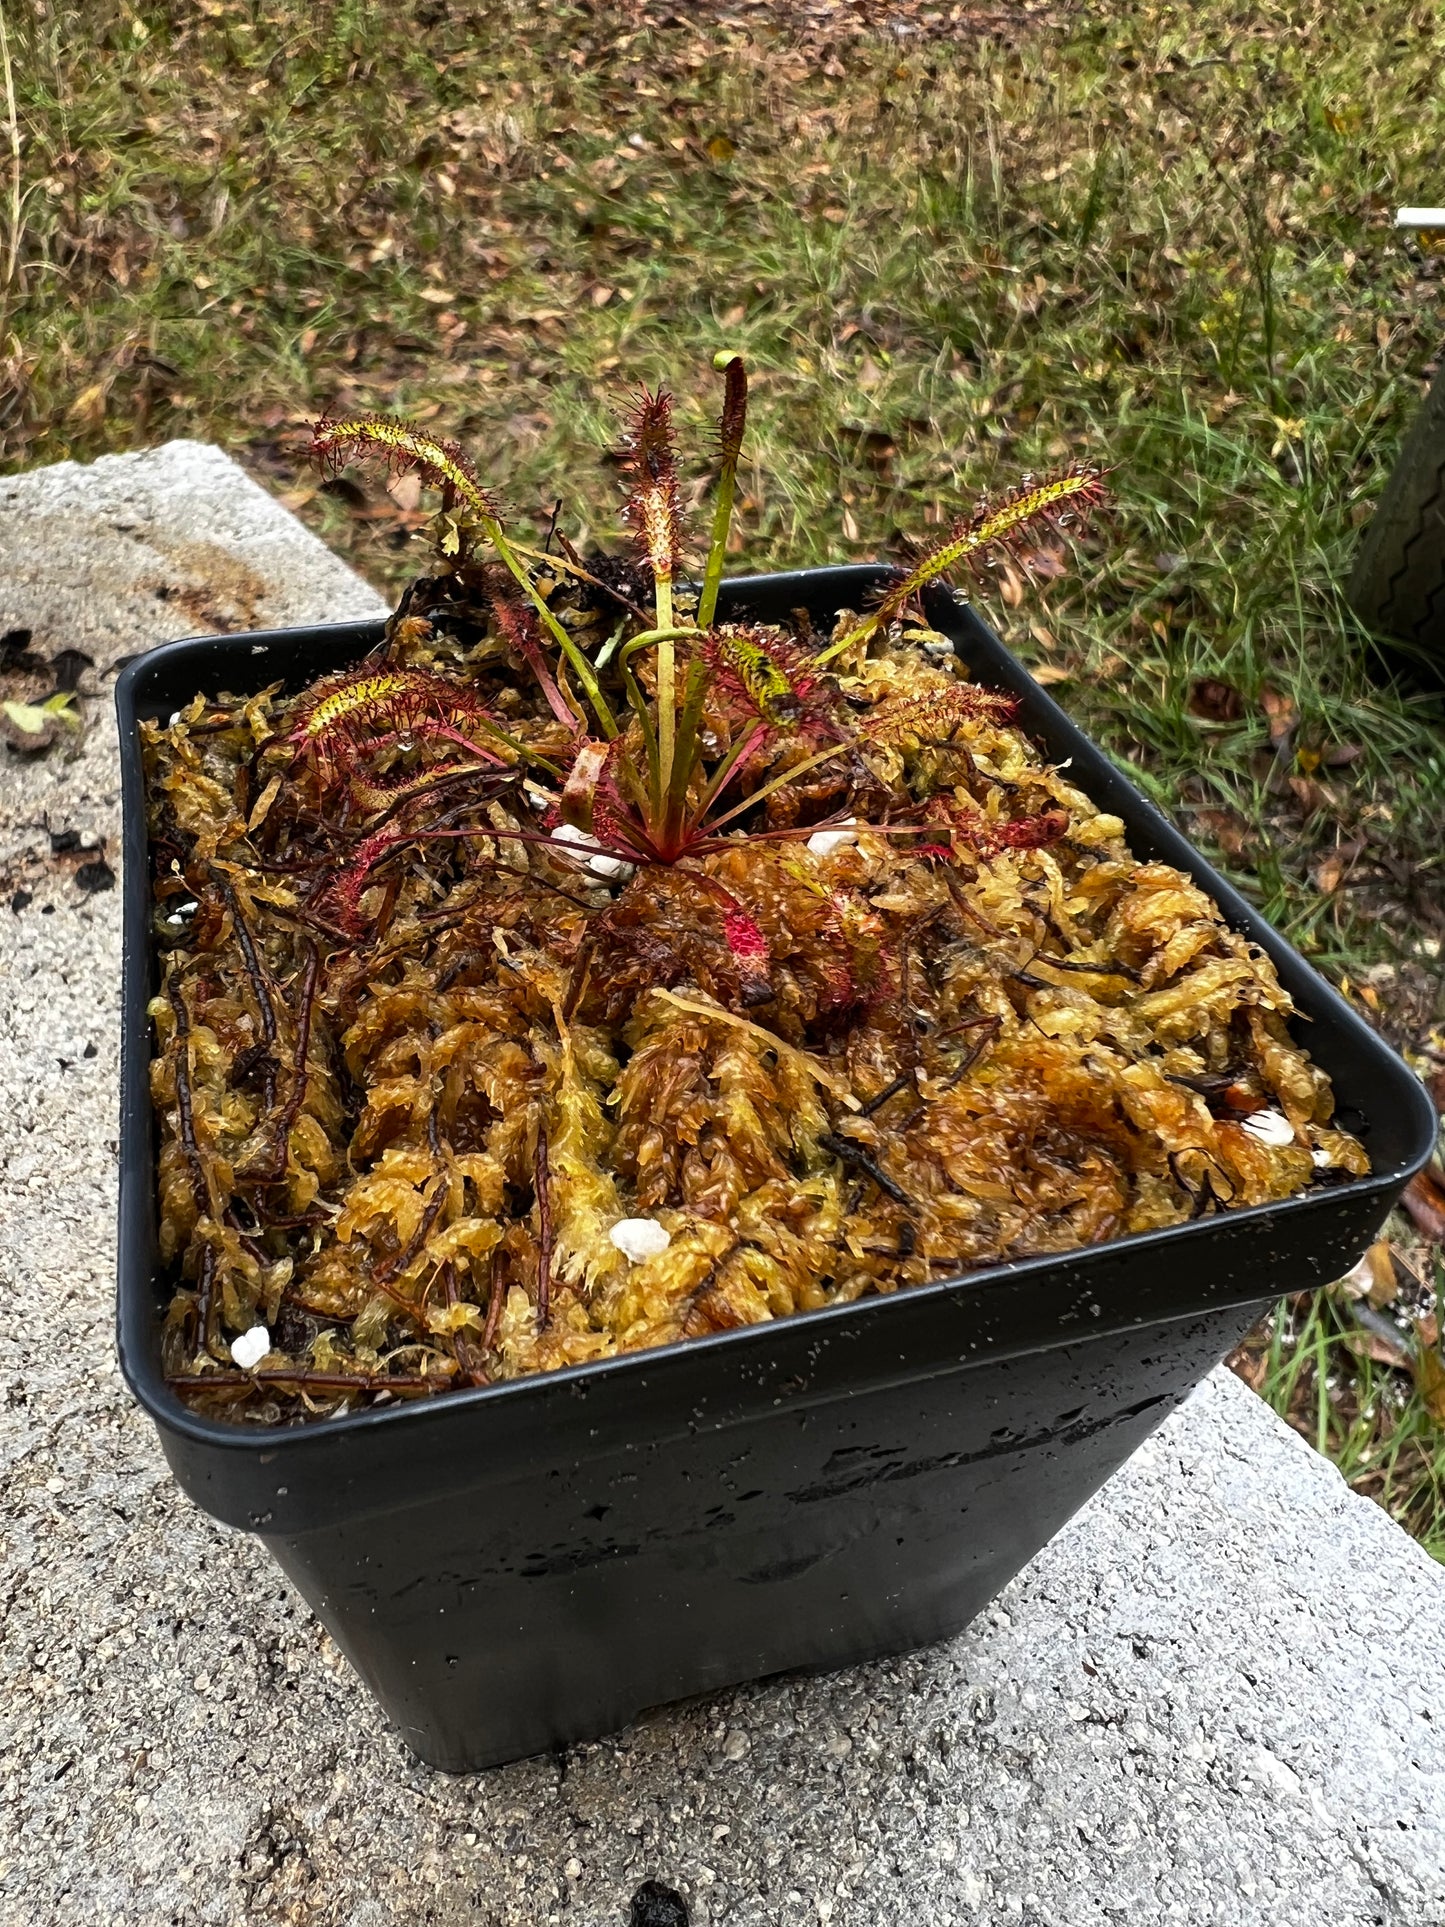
{"x": 660, "y": 808}
{"x": 584, "y": 970}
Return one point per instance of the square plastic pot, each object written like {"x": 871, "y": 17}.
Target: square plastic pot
{"x": 514, "y": 1568}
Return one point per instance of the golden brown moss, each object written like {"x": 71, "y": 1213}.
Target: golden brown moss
{"x": 416, "y": 1057}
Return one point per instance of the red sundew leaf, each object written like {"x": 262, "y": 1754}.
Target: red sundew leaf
{"x": 749, "y": 950}
{"x": 734, "y": 418}
{"x": 773, "y": 675}
{"x": 354, "y": 703}
{"x": 654, "y": 509}
{"x": 1068, "y": 495}
{"x": 744, "y": 939}
{"x": 989, "y": 839}
{"x": 519, "y": 626}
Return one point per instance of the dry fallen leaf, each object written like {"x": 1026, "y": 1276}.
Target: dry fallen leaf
{"x": 1311, "y": 796}
{"x": 1430, "y": 1381}
{"x": 88, "y": 408}
{"x": 1227, "y": 828}
{"x": 1373, "y": 1278}
{"x": 1328, "y": 874}
{"x": 26, "y": 727}
{"x": 29, "y": 727}
{"x": 1249, "y": 1365}
{"x": 1379, "y": 1349}
{"x": 1051, "y": 672}
{"x": 1010, "y": 585}
{"x": 1282, "y": 714}
{"x": 1425, "y": 1202}
{"x": 1216, "y": 702}
{"x": 1045, "y": 564}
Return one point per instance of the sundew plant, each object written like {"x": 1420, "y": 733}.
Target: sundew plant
{"x": 598, "y": 965}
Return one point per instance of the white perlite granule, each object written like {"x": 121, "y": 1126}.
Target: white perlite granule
{"x": 639, "y": 1238}
{"x": 251, "y": 1347}
{"x": 824, "y": 842}
{"x": 599, "y": 863}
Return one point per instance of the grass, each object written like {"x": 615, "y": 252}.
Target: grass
{"x": 1153, "y": 234}
{"x": 1365, "y": 1396}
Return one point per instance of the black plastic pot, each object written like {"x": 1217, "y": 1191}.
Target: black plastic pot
{"x": 518, "y": 1567}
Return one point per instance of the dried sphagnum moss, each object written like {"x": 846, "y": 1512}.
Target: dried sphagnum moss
{"x": 419, "y": 1053}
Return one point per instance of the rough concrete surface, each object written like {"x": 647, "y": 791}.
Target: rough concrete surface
{"x": 1215, "y": 1698}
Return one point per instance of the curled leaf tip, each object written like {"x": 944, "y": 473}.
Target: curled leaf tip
{"x": 734, "y": 411}
{"x": 400, "y": 445}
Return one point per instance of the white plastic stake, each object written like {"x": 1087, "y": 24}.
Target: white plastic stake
{"x": 1420, "y": 217}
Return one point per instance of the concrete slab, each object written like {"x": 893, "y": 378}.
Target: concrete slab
{"x": 1215, "y": 1698}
